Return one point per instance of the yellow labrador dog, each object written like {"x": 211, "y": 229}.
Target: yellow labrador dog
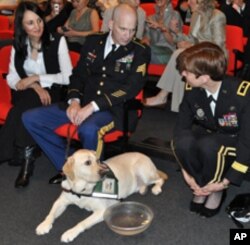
{"x": 134, "y": 172}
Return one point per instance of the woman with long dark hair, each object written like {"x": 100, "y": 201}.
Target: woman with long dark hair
{"x": 39, "y": 65}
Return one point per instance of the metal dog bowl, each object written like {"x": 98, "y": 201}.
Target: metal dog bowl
{"x": 128, "y": 218}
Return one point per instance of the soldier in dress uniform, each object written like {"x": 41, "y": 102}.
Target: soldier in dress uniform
{"x": 212, "y": 134}
{"x": 111, "y": 70}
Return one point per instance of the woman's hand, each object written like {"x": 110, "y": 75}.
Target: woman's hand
{"x": 184, "y": 44}
{"x": 27, "y": 82}
{"x": 190, "y": 180}
{"x": 214, "y": 187}
{"x": 42, "y": 93}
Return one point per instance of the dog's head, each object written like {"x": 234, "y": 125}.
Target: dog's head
{"x": 83, "y": 170}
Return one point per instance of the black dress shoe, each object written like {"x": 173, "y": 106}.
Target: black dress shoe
{"x": 208, "y": 212}
{"x": 57, "y": 179}
{"x": 195, "y": 207}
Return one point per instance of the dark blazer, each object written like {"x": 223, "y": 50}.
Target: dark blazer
{"x": 234, "y": 18}
{"x": 111, "y": 81}
{"x": 232, "y": 118}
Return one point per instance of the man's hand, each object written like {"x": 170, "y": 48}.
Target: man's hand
{"x": 72, "y": 111}
{"x": 77, "y": 114}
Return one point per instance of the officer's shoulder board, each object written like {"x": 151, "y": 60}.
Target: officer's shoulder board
{"x": 187, "y": 87}
{"x": 138, "y": 42}
{"x": 243, "y": 88}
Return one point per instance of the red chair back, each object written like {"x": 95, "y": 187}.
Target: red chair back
{"x": 5, "y": 94}
{"x": 4, "y": 22}
{"x": 6, "y": 34}
{"x": 149, "y": 8}
{"x": 74, "y": 56}
{"x": 234, "y": 41}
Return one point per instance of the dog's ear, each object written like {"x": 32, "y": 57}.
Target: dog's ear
{"x": 68, "y": 168}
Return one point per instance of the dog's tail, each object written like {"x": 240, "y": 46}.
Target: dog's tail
{"x": 163, "y": 175}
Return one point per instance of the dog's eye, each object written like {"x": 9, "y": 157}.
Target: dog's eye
{"x": 88, "y": 162}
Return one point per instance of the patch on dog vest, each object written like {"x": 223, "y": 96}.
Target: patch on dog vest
{"x": 108, "y": 187}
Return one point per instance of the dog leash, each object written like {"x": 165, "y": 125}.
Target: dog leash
{"x": 69, "y": 138}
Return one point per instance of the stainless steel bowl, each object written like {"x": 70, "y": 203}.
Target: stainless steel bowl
{"x": 128, "y": 218}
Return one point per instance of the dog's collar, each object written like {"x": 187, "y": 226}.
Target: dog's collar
{"x": 105, "y": 188}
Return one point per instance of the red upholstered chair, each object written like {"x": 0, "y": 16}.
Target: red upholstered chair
{"x": 149, "y": 8}
{"x": 5, "y": 94}
{"x": 4, "y": 22}
{"x": 235, "y": 46}
{"x": 74, "y": 56}
{"x": 6, "y": 34}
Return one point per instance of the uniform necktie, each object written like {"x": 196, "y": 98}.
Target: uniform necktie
{"x": 211, "y": 99}
{"x": 212, "y": 103}
{"x": 112, "y": 51}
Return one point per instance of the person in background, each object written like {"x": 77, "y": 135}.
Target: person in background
{"x": 57, "y": 13}
{"x": 111, "y": 70}
{"x": 39, "y": 65}
{"x": 103, "y": 5}
{"x": 207, "y": 24}
{"x": 237, "y": 13}
{"x": 82, "y": 22}
{"x": 141, "y": 16}
{"x": 183, "y": 8}
{"x": 212, "y": 133}
{"x": 160, "y": 30}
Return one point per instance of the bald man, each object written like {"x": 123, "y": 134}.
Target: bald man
{"x": 111, "y": 70}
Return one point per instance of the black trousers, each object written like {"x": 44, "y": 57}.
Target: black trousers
{"x": 13, "y": 132}
{"x": 205, "y": 156}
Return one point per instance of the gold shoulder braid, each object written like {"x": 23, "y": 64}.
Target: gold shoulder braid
{"x": 187, "y": 87}
{"x": 243, "y": 88}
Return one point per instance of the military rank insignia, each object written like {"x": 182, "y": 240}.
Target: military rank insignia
{"x": 243, "y": 88}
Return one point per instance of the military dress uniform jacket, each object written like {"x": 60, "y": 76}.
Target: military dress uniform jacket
{"x": 232, "y": 118}
{"x": 110, "y": 81}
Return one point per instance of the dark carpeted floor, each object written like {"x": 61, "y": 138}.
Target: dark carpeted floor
{"x": 22, "y": 210}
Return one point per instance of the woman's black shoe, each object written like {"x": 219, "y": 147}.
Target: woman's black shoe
{"x": 27, "y": 167}
{"x": 195, "y": 207}
{"x": 208, "y": 212}
{"x": 57, "y": 179}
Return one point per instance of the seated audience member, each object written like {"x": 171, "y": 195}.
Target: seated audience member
{"x": 214, "y": 153}
{"x": 57, "y": 14}
{"x": 238, "y": 14}
{"x": 111, "y": 70}
{"x": 82, "y": 22}
{"x": 207, "y": 24}
{"x": 160, "y": 30}
{"x": 141, "y": 16}
{"x": 103, "y": 5}
{"x": 39, "y": 64}
{"x": 185, "y": 12}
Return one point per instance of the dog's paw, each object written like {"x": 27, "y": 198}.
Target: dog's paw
{"x": 69, "y": 235}
{"x": 156, "y": 190}
{"x": 43, "y": 228}
{"x": 143, "y": 190}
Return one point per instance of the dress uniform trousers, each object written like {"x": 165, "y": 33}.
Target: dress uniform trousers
{"x": 42, "y": 122}
{"x": 205, "y": 156}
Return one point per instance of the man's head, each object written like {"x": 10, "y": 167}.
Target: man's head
{"x": 202, "y": 59}
{"x": 123, "y": 24}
